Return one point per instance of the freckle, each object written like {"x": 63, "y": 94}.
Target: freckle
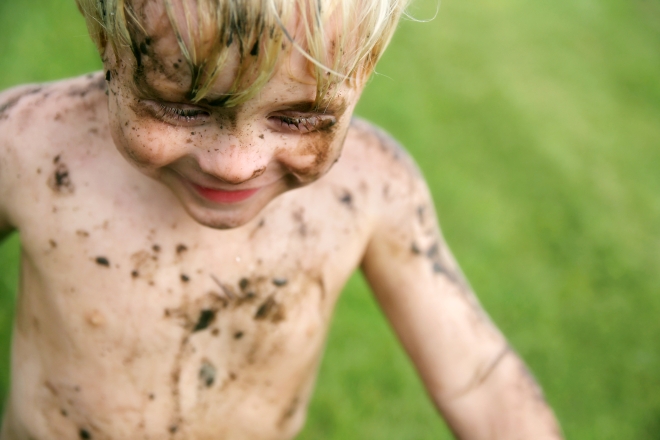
{"x": 180, "y": 248}
{"x": 152, "y": 396}
{"x": 243, "y": 283}
{"x": 82, "y": 233}
{"x": 56, "y": 159}
{"x": 185, "y": 278}
{"x": 38, "y": 170}
{"x": 189, "y": 141}
{"x": 261, "y": 136}
{"x": 173, "y": 429}
{"x": 238, "y": 335}
{"x": 232, "y": 376}
{"x": 414, "y": 249}
{"x": 155, "y": 248}
{"x": 84, "y": 434}
{"x": 102, "y": 261}
{"x": 64, "y": 413}
{"x": 215, "y": 332}
{"x": 193, "y": 133}
{"x": 52, "y": 243}
{"x": 176, "y": 65}
{"x": 135, "y": 274}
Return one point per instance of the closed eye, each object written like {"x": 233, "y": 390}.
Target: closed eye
{"x": 303, "y": 124}
{"x": 179, "y": 114}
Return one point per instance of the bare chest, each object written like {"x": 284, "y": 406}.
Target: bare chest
{"x": 130, "y": 310}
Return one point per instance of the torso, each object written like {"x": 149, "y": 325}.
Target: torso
{"x": 133, "y": 321}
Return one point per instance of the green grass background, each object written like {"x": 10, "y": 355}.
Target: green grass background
{"x": 537, "y": 125}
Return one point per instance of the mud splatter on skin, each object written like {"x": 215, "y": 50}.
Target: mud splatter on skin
{"x": 102, "y": 261}
{"x": 346, "y": 199}
{"x": 299, "y": 218}
{"x": 207, "y": 374}
{"x": 60, "y": 181}
{"x": 7, "y": 106}
{"x": 206, "y": 318}
{"x": 289, "y": 411}
{"x": 99, "y": 84}
{"x": 279, "y": 281}
{"x": 270, "y": 310}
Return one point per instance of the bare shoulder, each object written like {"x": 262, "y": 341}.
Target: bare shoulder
{"x": 372, "y": 158}
{"x": 38, "y": 124}
{"x": 36, "y": 103}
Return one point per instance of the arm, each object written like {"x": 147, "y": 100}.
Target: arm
{"x": 473, "y": 376}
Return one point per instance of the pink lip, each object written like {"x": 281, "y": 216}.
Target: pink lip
{"x": 219, "y": 196}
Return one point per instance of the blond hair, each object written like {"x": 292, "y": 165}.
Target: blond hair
{"x": 362, "y": 30}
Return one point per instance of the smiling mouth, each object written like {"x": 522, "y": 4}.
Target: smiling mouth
{"x": 220, "y": 196}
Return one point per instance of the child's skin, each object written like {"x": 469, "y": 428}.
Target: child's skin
{"x": 136, "y": 319}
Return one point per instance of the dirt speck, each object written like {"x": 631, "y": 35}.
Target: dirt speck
{"x": 60, "y": 180}
{"x": 346, "y": 198}
{"x": 84, "y": 434}
{"x": 279, "y": 281}
{"x": 207, "y": 374}
{"x": 270, "y": 310}
{"x": 102, "y": 261}
{"x": 206, "y": 317}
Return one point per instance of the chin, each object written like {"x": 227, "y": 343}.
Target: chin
{"x": 224, "y": 216}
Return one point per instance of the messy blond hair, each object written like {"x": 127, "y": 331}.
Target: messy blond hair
{"x": 257, "y": 29}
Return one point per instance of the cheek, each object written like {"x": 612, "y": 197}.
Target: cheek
{"x": 147, "y": 145}
{"x": 315, "y": 154}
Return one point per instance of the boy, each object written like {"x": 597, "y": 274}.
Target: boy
{"x": 189, "y": 216}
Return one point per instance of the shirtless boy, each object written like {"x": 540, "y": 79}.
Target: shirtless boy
{"x": 189, "y": 216}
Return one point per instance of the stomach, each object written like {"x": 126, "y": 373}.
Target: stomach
{"x": 211, "y": 366}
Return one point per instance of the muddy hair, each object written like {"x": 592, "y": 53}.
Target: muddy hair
{"x": 257, "y": 30}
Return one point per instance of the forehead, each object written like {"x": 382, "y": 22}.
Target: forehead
{"x": 160, "y": 65}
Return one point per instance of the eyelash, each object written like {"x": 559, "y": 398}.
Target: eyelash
{"x": 179, "y": 114}
{"x": 305, "y": 124}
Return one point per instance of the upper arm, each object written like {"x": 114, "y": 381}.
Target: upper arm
{"x": 421, "y": 289}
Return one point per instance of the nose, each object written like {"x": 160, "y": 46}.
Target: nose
{"x": 235, "y": 160}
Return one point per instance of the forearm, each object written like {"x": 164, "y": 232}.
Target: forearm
{"x": 504, "y": 403}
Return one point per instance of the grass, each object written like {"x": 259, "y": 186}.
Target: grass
{"x": 537, "y": 125}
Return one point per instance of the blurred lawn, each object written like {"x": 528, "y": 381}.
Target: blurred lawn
{"x": 537, "y": 124}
